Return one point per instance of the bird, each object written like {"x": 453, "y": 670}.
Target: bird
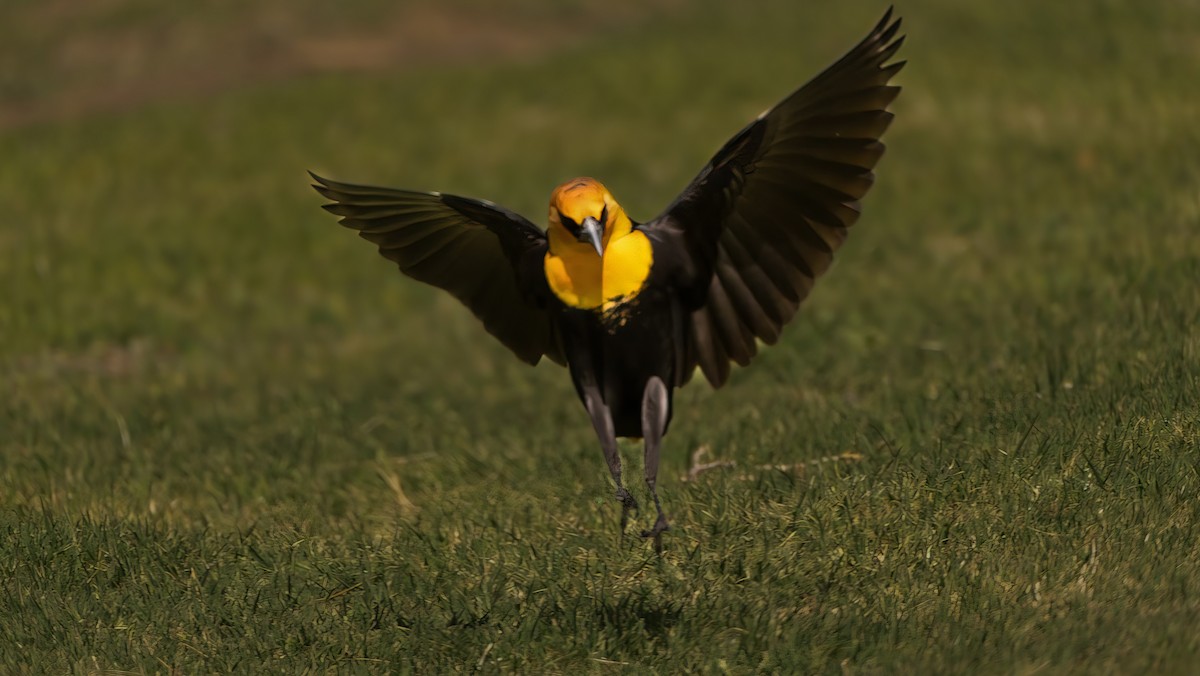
{"x": 634, "y": 309}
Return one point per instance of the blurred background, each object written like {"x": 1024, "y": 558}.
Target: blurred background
{"x": 190, "y": 346}
{"x": 73, "y": 58}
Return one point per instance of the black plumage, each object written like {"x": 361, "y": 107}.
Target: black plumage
{"x": 725, "y": 266}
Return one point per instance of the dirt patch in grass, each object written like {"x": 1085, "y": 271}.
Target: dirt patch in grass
{"x": 70, "y": 58}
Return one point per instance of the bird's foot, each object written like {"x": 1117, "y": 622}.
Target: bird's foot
{"x": 660, "y": 526}
{"x": 626, "y": 499}
{"x": 628, "y": 504}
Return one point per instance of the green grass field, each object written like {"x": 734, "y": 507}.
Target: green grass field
{"x": 234, "y": 439}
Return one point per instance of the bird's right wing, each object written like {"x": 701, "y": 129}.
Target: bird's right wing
{"x": 760, "y": 223}
{"x": 488, "y": 257}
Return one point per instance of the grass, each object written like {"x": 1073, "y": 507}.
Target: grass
{"x": 232, "y": 439}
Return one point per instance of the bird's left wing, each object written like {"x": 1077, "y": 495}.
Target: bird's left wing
{"x": 752, "y": 232}
{"x": 488, "y": 257}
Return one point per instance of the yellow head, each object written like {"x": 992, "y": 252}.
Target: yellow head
{"x": 583, "y": 214}
{"x": 596, "y": 261}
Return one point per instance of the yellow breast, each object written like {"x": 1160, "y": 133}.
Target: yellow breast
{"x": 581, "y": 279}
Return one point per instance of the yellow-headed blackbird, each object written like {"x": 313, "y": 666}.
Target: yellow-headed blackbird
{"x": 633, "y": 308}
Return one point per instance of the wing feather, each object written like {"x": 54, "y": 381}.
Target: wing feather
{"x": 761, "y": 222}
{"x": 488, "y": 257}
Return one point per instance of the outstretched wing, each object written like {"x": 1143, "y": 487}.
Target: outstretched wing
{"x": 487, "y": 256}
{"x": 753, "y": 231}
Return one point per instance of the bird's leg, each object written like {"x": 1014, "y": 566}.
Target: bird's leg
{"x": 655, "y": 408}
{"x": 603, "y": 424}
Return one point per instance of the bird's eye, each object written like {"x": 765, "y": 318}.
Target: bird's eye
{"x": 567, "y": 222}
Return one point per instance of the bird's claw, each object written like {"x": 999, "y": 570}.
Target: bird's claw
{"x": 628, "y": 504}
{"x": 660, "y": 526}
{"x": 626, "y": 499}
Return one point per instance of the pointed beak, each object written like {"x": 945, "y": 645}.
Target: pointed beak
{"x": 592, "y": 231}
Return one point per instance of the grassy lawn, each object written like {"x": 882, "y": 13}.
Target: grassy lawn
{"x": 234, "y": 439}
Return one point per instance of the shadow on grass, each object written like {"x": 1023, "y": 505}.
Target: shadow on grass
{"x": 655, "y": 616}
